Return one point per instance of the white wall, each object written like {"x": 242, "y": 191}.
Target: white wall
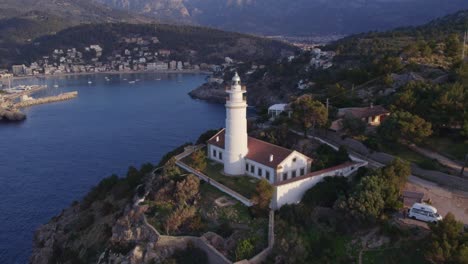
{"x": 218, "y": 150}
{"x": 264, "y": 170}
{"x": 292, "y": 193}
{"x": 289, "y": 165}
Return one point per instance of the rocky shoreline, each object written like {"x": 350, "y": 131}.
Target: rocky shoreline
{"x": 210, "y": 92}
{"x": 11, "y": 115}
{"x": 262, "y": 93}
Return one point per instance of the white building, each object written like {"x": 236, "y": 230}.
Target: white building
{"x": 275, "y": 110}
{"x": 244, "y": 155}
{"x": 287, "y": 170}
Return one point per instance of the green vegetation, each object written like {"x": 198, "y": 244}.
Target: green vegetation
{"x": 448, "y": 241}
{"x": 181, "y": 205}
{"x": 308, "y": 113}
{"x": 199, "y": 160}
{"x": 452, "y": 146}
{"x": 326, "y": 157}
{"x": 188, "y": 256}
{"x": 243, "y": 185}
{"x": 210, "y": 45}
{"x": 376, "y": 192}
{"x": 406, "y": 253}
{"x": 262, "y": 197}
{"x": 404, "y": 127}
{"x": 326, "y": 192}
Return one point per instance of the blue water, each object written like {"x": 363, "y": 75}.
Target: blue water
{"x": 65, "y": 148}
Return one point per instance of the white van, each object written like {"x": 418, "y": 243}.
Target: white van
{"x": 424, "y": 212}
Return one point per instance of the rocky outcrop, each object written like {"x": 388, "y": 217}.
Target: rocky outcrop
{"x": 11, "y": 115}
{"x": 260, "y": 93}
{"x": 210, "y": 92}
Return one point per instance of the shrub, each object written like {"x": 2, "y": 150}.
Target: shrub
{"x": 326, "y": 192}
{"x": 262, "y": 197}
{"x": 245, "y": 249}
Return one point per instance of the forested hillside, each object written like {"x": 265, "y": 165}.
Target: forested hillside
{"x": 195, "y": 43}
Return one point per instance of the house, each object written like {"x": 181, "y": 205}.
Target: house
{"x": 275, "y": 110}
{"x": 288, "y": 171}
{"x": 263, "y": 159}
{"x": 372, "y": 115}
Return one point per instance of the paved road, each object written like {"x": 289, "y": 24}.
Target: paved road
{"x": 444, "y": 199}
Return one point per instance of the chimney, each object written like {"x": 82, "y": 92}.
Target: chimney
{"x": 271, "y": 158}
{"x": 217, "y": 139}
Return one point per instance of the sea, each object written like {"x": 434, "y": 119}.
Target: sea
{"x": 65, "y": 148}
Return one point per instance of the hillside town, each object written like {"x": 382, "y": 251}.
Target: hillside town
{"x": 135, "y": 54}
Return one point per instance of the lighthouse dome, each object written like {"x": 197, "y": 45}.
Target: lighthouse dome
{"x": 236, "y": 78}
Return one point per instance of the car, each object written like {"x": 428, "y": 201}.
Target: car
{"x": 424, "y": 212}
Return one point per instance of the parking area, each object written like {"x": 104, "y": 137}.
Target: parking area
{"x": 444, "y": 200}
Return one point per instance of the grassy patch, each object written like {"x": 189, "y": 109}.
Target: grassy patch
{"x": 452, "y": 147}
{"x": 412, "y": 156}
{"x": 406, "y": 254}
{"x": 243, "y": 185}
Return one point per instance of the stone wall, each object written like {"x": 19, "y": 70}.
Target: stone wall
{"x": 181, "y": 242}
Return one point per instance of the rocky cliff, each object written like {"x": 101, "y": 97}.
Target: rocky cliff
{"x": 11, "y": 115}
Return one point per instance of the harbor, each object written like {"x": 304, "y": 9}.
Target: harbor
{"x": 28, "y": 101}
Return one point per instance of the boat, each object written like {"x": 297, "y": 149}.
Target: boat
{"x": 90, "y": 82}
{"x": 131, "y": 82}
{"x": 56, "y": 85}
{"x": 158, "y": 79}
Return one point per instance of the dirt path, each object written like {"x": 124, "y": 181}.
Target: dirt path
{"x": 455, "y": 165}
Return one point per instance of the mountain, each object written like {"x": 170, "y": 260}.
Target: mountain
{"x": 73, "y": 11}
{"x": 299, "y": 17}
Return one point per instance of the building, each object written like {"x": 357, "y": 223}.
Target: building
{"x": 18, "y": 69}
{"x": 244, "y": 155}
{"x": 275, "y": 110}
{"x": 372, "y": 115}
{"x": 287, "y": 170}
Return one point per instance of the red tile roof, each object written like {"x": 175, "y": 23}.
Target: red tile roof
{"x": 317, "y": 173}
{"x": 259, "y": 150}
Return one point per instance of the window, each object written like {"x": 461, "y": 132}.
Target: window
{"x": 302, "y": 171}
{"x": 294, "y": 174}
{"x": 252, "y": 168}
{"x": 246, "y": 167}
{"x": 267, "y": 175}
{"x": 285, "y": 176}
{"x": 295, "y": 159}
{"x": 220, "y": 155}
{"x": 214, "y": 153}
{"x": 259, "y": 172}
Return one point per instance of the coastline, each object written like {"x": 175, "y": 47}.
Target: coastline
{"x": 44, "y": 76}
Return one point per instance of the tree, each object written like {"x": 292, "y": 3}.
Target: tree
{"x": 326, "y": 192}
{"x": 452, "y": 46}
{"x": 187, "y": 189}
{"x": 448, "y": 241}
{"x": 171, "y": 169}
{"x": 353, "y": 126}
{"x": 404, "y": 126}
{"x": 367, "y": 201}
{"x": 178, "y": 217}
{"x": 308, "y": 113}
{"x": 262, "y": 197}
{"x": 199, "y": 160}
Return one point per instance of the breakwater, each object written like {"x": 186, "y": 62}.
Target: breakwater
{"x": 49, "y": 99}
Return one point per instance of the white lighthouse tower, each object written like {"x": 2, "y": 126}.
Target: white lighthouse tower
{"x": 236, "y": 142}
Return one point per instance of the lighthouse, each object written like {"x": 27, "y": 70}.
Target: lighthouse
{"x": 236, "y": 139}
